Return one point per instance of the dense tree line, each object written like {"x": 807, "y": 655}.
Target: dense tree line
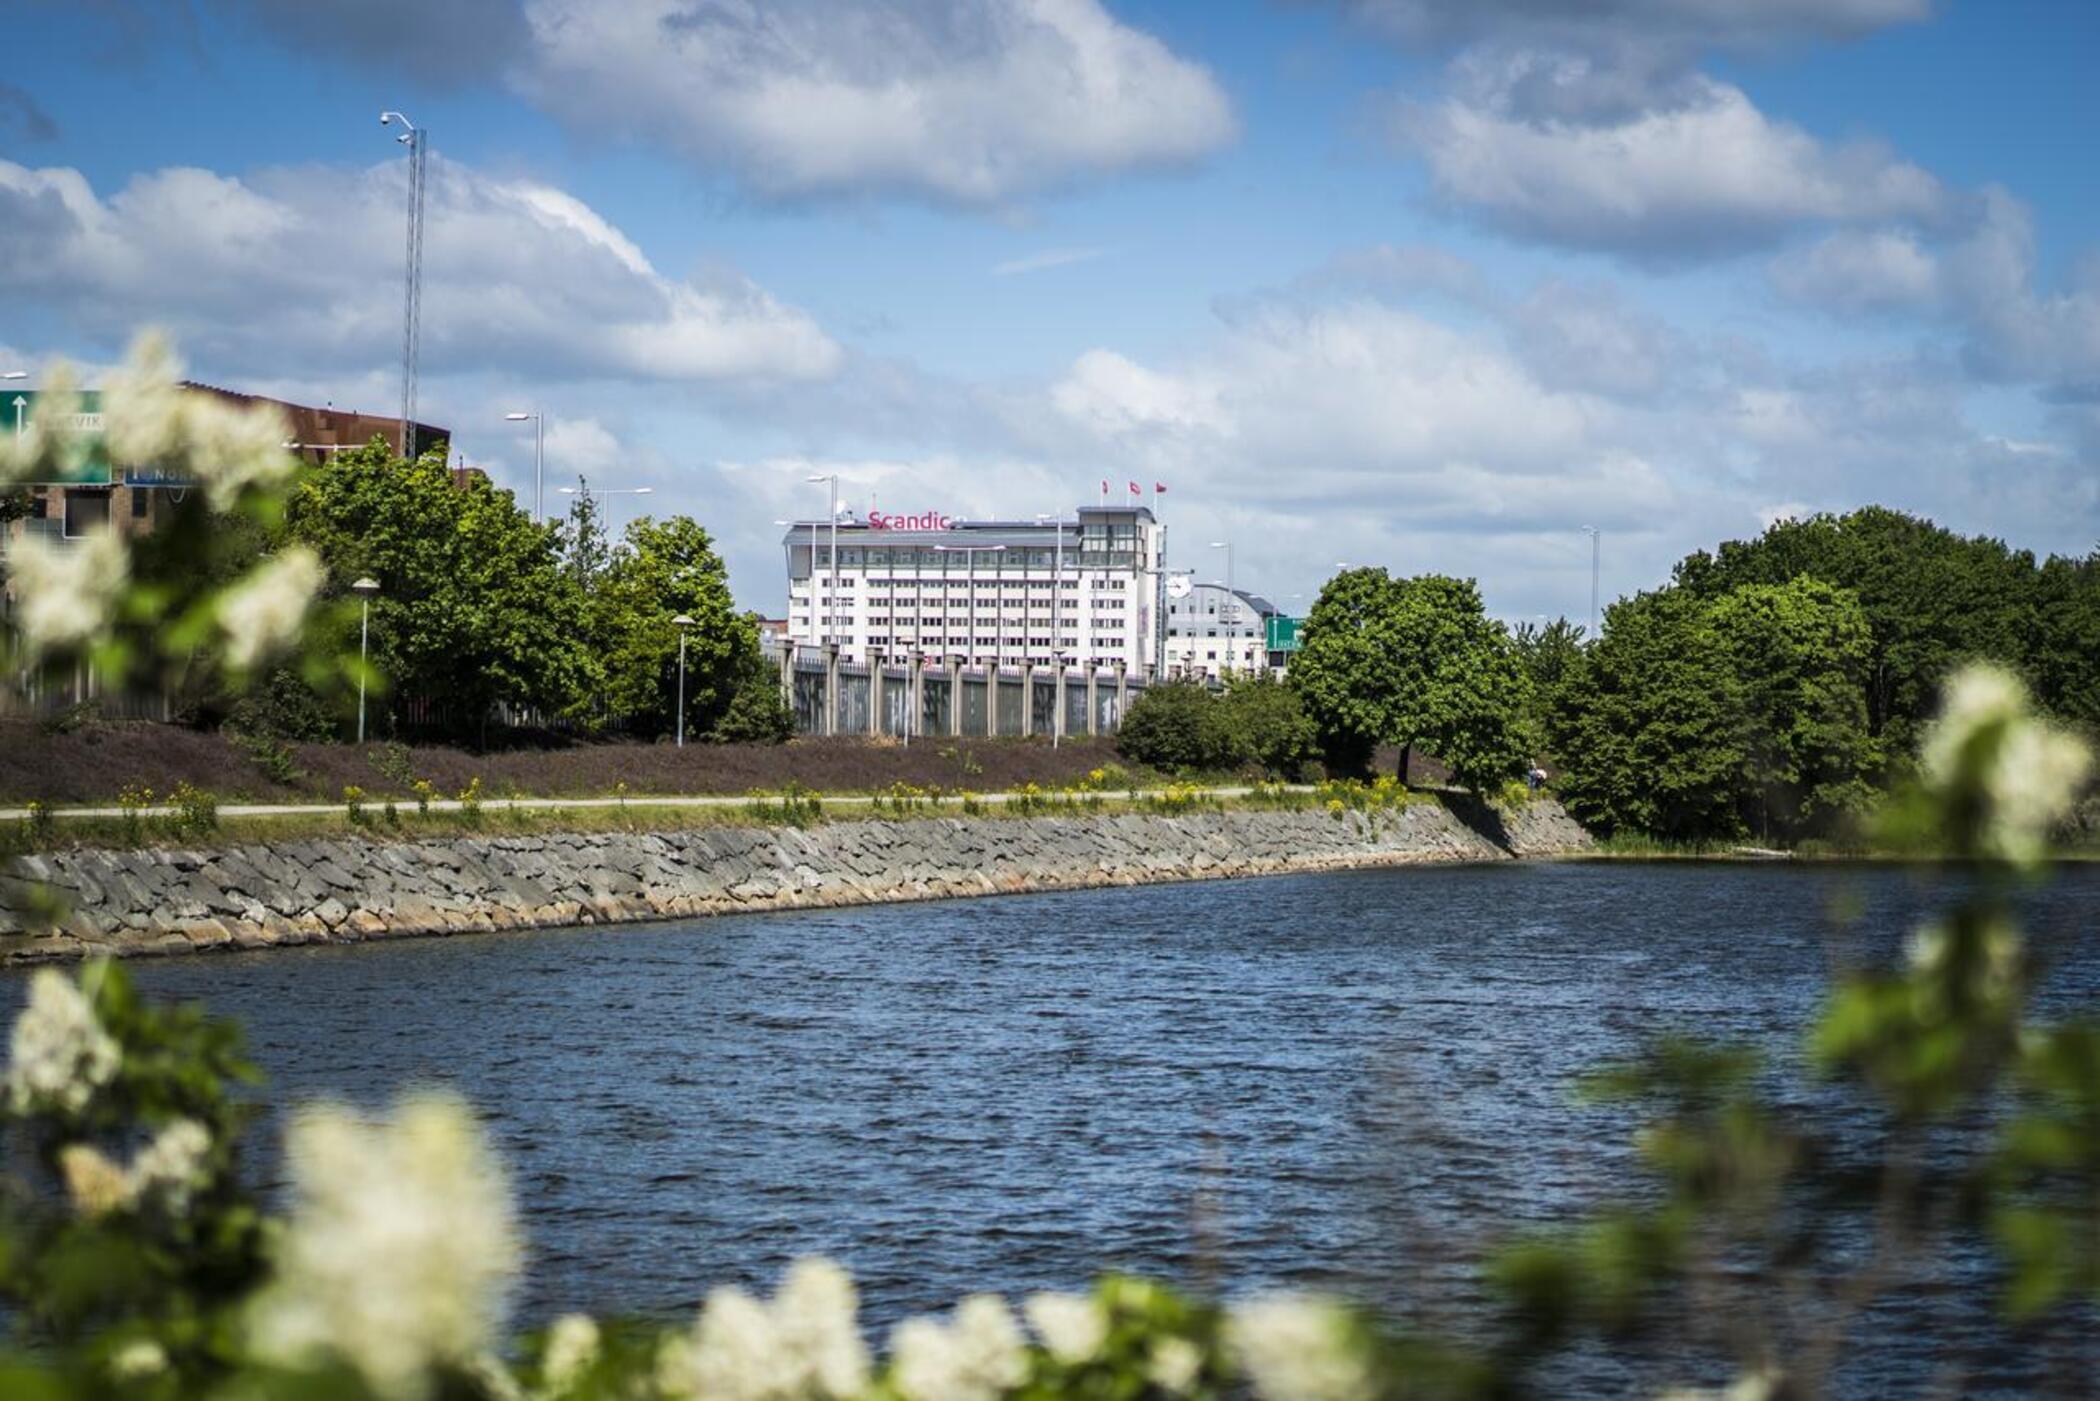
{"x": 1774, "y": 684}
{"x": 479, "y": 605}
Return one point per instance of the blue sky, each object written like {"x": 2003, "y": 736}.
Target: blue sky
{"x": 1423, "y": 283}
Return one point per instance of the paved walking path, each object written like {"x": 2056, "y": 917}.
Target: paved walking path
{"x": 634, "y": 800}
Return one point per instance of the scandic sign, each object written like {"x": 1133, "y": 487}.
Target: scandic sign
{"x": 925, "y": 520}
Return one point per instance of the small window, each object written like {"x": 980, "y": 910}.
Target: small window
{"x": 138, "y": 503}
{"x": 86, "y": 512}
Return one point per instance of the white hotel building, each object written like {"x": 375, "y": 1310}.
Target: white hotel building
{"x": 1086, "y": 590}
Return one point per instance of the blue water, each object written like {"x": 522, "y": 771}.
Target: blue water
{"x": 1355, "y": 1080}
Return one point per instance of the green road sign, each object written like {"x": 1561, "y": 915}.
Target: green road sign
{"x": 87, "y": 461}
{"x": 1283, "y": 633}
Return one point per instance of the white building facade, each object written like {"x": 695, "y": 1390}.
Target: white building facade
{"x": 1213, "y": 632}
{"x": 1084, "y": 591}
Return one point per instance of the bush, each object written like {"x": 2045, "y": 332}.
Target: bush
{"x": 1179, "y": 727}
{"x": 282, "y": 707}
{"x": 1265, "y": 723}
{"x": 196, "y": 812}
{"x": 757, "y": 713}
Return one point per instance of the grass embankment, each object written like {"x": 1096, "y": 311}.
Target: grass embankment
{"x": 199, "y": 822}
{"x": 96, "y": 764}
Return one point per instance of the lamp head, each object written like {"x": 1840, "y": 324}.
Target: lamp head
{"x": 683, "y": 621}
{"x": 366, "y": 586}
{"x": 516, "y": 417}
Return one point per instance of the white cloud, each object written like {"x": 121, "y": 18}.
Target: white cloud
{"x": 1717, "y": 23}
{"x": 582, "y": 447}
{"x": 1048, "y": 258}
{"x": 972, "y": 102}
{"x": 1707, "y": 173}
{"x": 291, "y": 269}
{"x": 1860, "y": 270}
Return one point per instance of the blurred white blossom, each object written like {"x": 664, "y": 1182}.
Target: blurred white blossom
{"x": 137, "y": 1360}
{"x": 1299, "y": 1348}
{"x": 171, "y": 1168}
{"x": 95, "y": 1185}
{"x": 66, "y": 592}
{"x": 59, "y": 1055}
{"x": 805, "y": 1343}
{"x": 572, "y": 1346}
{"x": 400, "y": 1249}
{"x": 262, "y": 612}
{"x": 1072, "y": 1326}
{"x": 1174, "y": 1365}
{"x": 976, "y": 1356}
{"x": 151, "y": 420}
{"x": 1987, "y": 741}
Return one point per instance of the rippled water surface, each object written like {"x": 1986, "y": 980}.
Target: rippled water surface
{"x": 1350, "y": 1079}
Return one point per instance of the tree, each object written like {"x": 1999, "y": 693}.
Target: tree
{"x": 2065, "y": 660}
{"x": 1345, "y": 673}
{"x": 1800, "y": 653}
{"x": 1648, "y": 734}
{"x": 1408, "y": 662}
{"x": 1931, "y": 599}
{"x": 1265, "y": 723}
{"x": 664, "y": 569}
{"x": 474, "y": 604}
{"x": 1179, "y": 727}
{"x": 757, "y": 712}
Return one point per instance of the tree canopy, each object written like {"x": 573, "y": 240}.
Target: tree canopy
{"x": 1413, "y": 662}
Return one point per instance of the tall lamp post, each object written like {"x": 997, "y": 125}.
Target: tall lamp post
{"x": 364, "y": 589}
{"x": 538, "y": 421}
{"x": 683, "y": 623}
{"x": 831, "y": 610}
{"x": 607, "y": 491}
{"x": 417, "y": 141}
{"x": 1596, "y": 557}
{"x": 1232, "y": 605}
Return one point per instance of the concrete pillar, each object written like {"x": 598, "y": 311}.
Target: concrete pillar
{"x": 787, "y": 676}
{"x": 955, "y": 671}
{"x": 876, "y": 691}
{"x": 1093, "y": 698}
{"x": 1122, "y": 691}
{"x": 914, "y": 693}
{"x": 1057, "y": 704}
{"x": 831, "y": 688}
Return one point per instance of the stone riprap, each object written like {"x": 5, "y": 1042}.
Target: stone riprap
{"x": 129, "y": 902}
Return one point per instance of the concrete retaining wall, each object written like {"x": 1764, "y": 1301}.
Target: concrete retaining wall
{"x": 176, "y": 901}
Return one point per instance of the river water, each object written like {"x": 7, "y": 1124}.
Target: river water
{"x": 1353, "y": 1080}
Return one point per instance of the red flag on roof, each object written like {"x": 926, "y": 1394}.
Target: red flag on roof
{"x": 1134, "y": 490}
{"x": 1159, "y": 486}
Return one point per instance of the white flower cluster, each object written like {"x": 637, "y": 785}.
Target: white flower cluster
{"x": 263, "y": 612}
{"x": 1298, "y": 1348}
{"x": 167, "y": 1171}
{"x": 2028, "y": 772}
{"x": 804, "y": 1344}
{"x": 150, "y": 420}
{"x": 1072, "y": 1326}
{"x": 66, "y": 593}
{"x": 400, "y": 1250}
{"x": 572, "y": 1346}
{"x": 60, "y": 1054}
{"x": 977, "y": 1356}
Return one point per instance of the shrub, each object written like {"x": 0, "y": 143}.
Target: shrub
{"x": 134, "y": 801}
{"x": 1178, "y": 727}
{"x": 37, "y": 826}
{"x": 424, "y": 790}
{"x": 272, "y": 756}
{"x": 391, "y": 762}
{"x": 1265, "y": 723}
{"x": 470, "y": 802}
{"x": 282, "y": 707}
{"x": 196, "y": 811}
{"x": 354, "y": 804}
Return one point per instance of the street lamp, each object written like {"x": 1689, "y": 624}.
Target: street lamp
{"x": 539, "y": 459}
{"x": 1596, "y": 555}
{"x": 14, "y": 374}
{"x": 832, "y": 605}
{"x": 607, "y": 491}
{"x": 1232, "y": 604}
{"x": 364, "y": 589}
{"x": 683, "y": 622}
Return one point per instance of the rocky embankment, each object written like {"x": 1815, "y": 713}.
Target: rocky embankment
{"x": 257, "y": 896}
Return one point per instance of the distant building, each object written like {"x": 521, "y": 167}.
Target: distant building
{"x": 1213, "y": 633}
{"x": 999, "y": 593}
{"x": 135, "y": 502}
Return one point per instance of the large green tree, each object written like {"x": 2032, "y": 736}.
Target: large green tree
{"x": 1931, "y": 599}
{"x": 1649, "y": 733}
{"x": 1413, "y": 662}
{"x": 474, "y": 606}
{"x": 663, "y": 570}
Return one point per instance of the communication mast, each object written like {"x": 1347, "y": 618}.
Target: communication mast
{"x": 414, "y": 138}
